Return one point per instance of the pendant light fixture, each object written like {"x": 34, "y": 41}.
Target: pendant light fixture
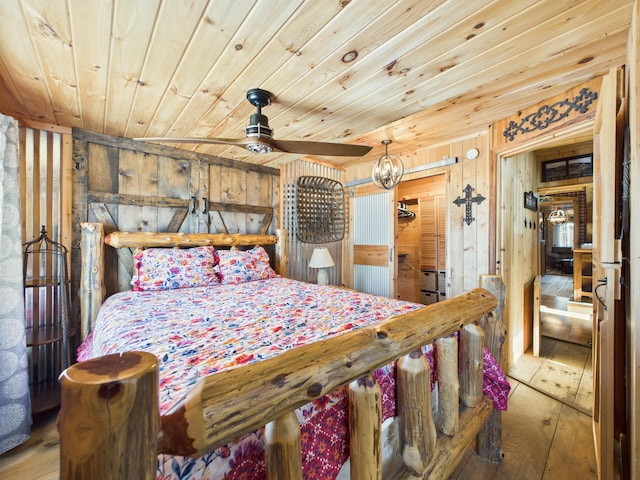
{"x": 557, "y": 217}
{"x": 388, "y": 170}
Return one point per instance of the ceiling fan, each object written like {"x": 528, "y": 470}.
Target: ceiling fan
{"x": 258, "y": 136}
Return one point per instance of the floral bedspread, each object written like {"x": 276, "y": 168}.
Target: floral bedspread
{"x": 198, "y": 331}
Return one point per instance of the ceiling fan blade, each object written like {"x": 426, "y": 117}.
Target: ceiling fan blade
{"x": 319, "y": 148}
{"x": 221, "y": 141}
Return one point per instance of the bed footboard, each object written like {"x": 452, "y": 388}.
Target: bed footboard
{"x": 103, "y": 409}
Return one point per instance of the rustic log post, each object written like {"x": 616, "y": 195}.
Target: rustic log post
{"x": 365, "y": 427}
{"x": 91, "y": 275}
{"x": 281, "y": 252}
{"x": 448, "y": 386}
{"x": 489, "y": 440}
{"x": 283, "y": 453}
{"x": 471, "y": 361}
{"x": 109, "y": 418}
{"x": 417, "y": 430}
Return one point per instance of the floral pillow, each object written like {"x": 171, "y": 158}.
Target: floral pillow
{"x": 239, "y": 266}
{"x": 169, "y": 268}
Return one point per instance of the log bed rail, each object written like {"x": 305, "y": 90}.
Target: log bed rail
{"x": 110, "y": 404}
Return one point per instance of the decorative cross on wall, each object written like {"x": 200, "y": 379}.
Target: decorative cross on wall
{"x": 468, "y": 200}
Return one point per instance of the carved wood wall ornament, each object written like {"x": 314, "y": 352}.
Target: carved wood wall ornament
{"x": 548, "y": 114}
{"x": 467, "y": 201}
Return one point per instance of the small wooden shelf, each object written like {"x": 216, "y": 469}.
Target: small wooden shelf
{"x": 39, "y": 283}
{"x": 43, "y": 335}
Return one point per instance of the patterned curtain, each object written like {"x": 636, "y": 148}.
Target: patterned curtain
{"x": 15, "y": 405}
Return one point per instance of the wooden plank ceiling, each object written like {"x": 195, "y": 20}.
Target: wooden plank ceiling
{"x": 416, "y": 71}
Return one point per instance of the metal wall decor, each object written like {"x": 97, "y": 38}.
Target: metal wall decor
{"x": 467, "y": 201}
{"x": 320, "y": 212}
{"x": 548, "y": 114}
{"x": 530, "y": 201}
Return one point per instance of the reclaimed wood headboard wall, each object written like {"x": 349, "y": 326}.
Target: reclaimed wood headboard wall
{"x": 141, "y": 187}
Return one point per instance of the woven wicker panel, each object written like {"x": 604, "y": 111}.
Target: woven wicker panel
{"x": 319, "y": 210}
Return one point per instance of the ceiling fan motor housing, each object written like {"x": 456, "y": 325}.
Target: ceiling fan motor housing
{"x": 258, "y": 126}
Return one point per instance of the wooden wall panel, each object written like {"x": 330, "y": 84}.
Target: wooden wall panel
{"x": 138, "y": 186}
{"x": 469, "y": 248}
{"x": 519, "y": 248}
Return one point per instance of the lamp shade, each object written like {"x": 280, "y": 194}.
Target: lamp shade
{"x": 321, "y": 258}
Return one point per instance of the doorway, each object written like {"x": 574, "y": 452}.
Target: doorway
{"x": 565, "y": 218}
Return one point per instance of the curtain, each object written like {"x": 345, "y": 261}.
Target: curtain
{"x": 15, "y": 404}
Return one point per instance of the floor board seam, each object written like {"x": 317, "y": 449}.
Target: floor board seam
{"x": 558, "y": 399}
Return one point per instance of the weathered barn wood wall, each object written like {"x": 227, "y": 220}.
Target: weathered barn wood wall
{"x": 137, "y": 186}
{"x": 470, "y": 247}
{"x": 299, "y": 253}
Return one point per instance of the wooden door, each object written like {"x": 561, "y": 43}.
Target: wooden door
{"x": 373, "y": 243}
{"x": 608, "y": 373}
{"x": 428, "y": 233}
{"x": 433, "y": 216}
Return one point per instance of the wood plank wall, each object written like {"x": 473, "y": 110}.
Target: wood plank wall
{"x": 138, "y": 186}
{"x": 299, "y": 253}
{"x": 470, "y": 248}
{"x": 519, "y": 262}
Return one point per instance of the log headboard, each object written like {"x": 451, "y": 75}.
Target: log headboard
{"x": 93, "y": 239}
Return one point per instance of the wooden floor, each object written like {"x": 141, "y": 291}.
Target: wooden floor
{"x": 546, "y": 431}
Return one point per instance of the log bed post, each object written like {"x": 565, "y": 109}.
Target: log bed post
{"x": 109, "y": 418}
{"x": 91, "y": 275}
{"x": 471, "y": 364}
{"x": 418, "y": 433}
{"x": 283, "y": 454}
{"x": 365, "y": 428}
{"x": 489, "y": 440}
{"x": 281, "y": 260}
{"x": 448, "y": 385}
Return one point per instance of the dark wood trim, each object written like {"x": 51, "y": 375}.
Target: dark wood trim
{"x": 147, "y": 201}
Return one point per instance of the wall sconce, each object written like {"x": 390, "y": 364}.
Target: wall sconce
{"x": 321, "y": 259}
{"x": 388, "y": 170}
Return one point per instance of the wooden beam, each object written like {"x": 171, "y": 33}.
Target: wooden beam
{"x": 156, "y": 239}
{"x": 377, "y": 255}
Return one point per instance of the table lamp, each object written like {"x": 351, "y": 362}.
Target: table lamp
{"x": 321, "y": 259}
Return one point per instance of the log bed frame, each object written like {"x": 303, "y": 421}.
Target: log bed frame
{"x": 109, "y": 410}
